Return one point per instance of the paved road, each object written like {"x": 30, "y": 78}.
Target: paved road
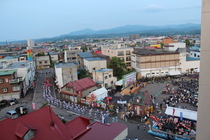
{"x": 37, "y": 98}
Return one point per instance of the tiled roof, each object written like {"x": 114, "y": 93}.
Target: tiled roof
{"x": 100, "y": 131}
{"x": 82, "y": 84}
{"x": 39, "y": 120}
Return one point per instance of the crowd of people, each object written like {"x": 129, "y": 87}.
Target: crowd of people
{"x": 186, "y": 92}
{"x": 174, "y": 125}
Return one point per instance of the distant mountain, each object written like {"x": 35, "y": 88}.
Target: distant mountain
{"x": 137, "y": 29}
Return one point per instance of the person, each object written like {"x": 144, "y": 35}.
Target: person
{"x": 144, "y": 127}
{"x": 138, "y": 125}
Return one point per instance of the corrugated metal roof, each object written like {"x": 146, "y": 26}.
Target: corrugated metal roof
{"x": 192, "y": 58}
{"x": 85, "y": 54}
{"x": 64, "y": 65}
{"x": 103, "y": 70}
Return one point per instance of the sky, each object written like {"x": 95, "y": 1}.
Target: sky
{"x": 33, "y": 19}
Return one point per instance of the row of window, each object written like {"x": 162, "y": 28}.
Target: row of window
{"x": 106, "y": 77}
{"x": 2, "y": 80}
{"x": 14, "y": 88}
{"x": 106, "y": 84}
{"x": 40, "y": 62}
{"x": 121, "y": 53}
{"x": 71, "y": 58}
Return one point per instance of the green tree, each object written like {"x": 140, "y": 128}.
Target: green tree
{"x": 84, "y": 48}
{"x": 84, "y": 73}
{"x": 51, "y": 62}
{"x": 118, "y": 66}
{"x": 187, "y": 41}
{"x": 41, "y": 54}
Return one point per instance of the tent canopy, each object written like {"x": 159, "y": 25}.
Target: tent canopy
{"x": 174, "y": 73}
{"x": 119, "y": 83}
{"x": 187, "y": 114}
{"x": 100, "y": 94}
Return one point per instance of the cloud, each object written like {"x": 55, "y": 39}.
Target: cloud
{"x": 151, "y": 8}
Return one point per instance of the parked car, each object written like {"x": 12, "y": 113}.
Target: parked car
{"x": 21, "y": 110}
{"x": 13, "y": 114}
{"x": 3, "y": 103}
{"x": 13, "y": 101}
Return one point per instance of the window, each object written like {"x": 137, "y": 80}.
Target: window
{"x": 15, "y": 88}
{"x": 110, "y": 75}
{"x": 45, "y": 61}
{"x": 106, "y": 85}
{"x": 68, "y": 88}
{"x": 4, "y": 89}
{"x": 122, "y": 58}
{"x": 128, "y": 53}
{"x": 106, "y": 77}
{"x": 94, "y": 68}
{"x": 128, "y": 64}
{"x": 128, "y": 58}
{"x": 120, "y": 53}
{"x": 111, "y": 82}
{"x": 40, "y": 62}
{"x": 1, "y": 81}
{"x": 6, "y": 79}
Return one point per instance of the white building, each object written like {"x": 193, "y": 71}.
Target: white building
{"x": 174, "y": 46}
{"x": 94, "y": 63}
{"x": 65, "y": 73}
{"x": 30, "y": 43}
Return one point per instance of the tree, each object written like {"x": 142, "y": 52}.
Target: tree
{"x": 51, "y": 62}
{"x": 118, "y": 66}
{"x": 84, "y": 73}
{"x": 84, "y": 48}
{"x": 187, "y": 41}
{"x": 41, "y": 54}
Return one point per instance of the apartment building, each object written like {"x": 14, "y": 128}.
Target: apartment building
{"x": 94, "y": 63}
{"x": 119, "y": 50}
{"x": 71, "y": 55}
{"x": 155, "y": 62}
{"x": 10, "y": 85}
{"x": 42, "y": 62}
{"x": 104, "y": 77}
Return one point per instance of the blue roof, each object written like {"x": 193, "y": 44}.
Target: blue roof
{"x": 10, "y": 57}
{"x": 65, "y": 65}
{"x": 192, "y": 58}
{"x": 85, "y": 54}
{"x": 103, "y": 70}
{"x": 94, "y": 59}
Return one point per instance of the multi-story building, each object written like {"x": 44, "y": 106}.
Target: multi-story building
{"x": 65, "y": 72}
{"x": 42, "y": 62}
{"x": 71, "y": 55}
{"x": 119, "y": 50}
{"x": 10, "y": 84}
{"x": 94, "y": 63}
{"x": 174, "y": 46}
{"x": 104, "y": 77}
{"x": 81, "y": 57}
{"x": 134, "y": 36}
{"x": 155, "y": 62}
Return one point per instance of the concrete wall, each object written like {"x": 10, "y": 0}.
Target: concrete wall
{"x": 90, "y": 65}
{"x": 203, "y": 123}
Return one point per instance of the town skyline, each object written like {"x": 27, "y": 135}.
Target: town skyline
{"x": 40, "y": 19}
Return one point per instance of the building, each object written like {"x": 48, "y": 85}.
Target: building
{"x": 94, "y": 63}
{"x": 81, "y": 57}
{"x": 54, "y": 57}
{"x": 44, "y": 124}
{"x": 104, "y": 77}
{"x": 65, "y": 72}
{"x": 30, "y": 43}
{"x": 10, "y": 85}
{"x": 78, "y": 89}
{"x": 203, "y": 123}
{"x": 119, "y": 50}
{"x": 141, "y": 102}
{"x": 155, "y": 62}
{"x": 42, "y": 62}
{"x": 168, "y": 40}
{"x": 71, "y": 55}
{"x": 174, "y": 46}
{"x": 134, "y": 37}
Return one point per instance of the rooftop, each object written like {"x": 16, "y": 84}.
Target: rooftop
{"x": 103, "y": 70}
{"x": 17, "y": 65}
{"x": 192, "y": 58}
{"x": 85, "y": 54}
{"x": 65, "y": 65}
{"x": 152, "y": 52}
{"x": 94, "y": 59}
{"x": 6, "y": 72}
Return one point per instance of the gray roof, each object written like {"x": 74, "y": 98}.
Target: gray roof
{"x": 17, "y": 65}
{"x": 103, "y": 70}
{"x": 64, "y": 65}
{"x": 85, "y": 54}
{"x": 152, "y": 51}
{"x": 94, "y": 59}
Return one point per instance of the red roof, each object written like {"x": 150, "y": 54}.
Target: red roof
{"x": 82, "y": 84}
{"x": 100, "y": 131}
{"x": 39, "y": 120}
{"x": 76, "y": 129}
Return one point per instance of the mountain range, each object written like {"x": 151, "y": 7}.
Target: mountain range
{"x": 125, "y": 31}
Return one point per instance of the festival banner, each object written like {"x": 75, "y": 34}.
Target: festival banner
{"x": 154, "y": 118}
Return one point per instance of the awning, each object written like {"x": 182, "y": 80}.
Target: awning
{"x": 174, "y": 73}
{"x": 119, "y": 83}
